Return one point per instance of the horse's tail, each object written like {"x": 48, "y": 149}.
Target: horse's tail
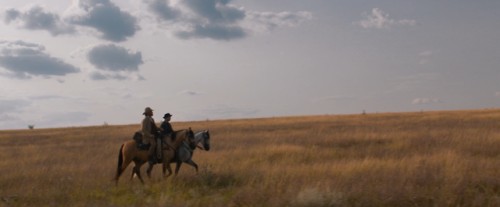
{"x": 120, "y": 163}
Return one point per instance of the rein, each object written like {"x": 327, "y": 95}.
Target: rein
{"x": 168, "y": 146}
{"x": 172, "y": 146}
{"x": 199, "y": 147}
{"x": 186, "y": 144}
{"x": 202, "y": 139}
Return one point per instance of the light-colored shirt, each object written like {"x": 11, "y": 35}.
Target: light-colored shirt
{"x": 147, "y": 127}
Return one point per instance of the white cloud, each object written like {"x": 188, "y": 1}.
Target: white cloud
{"x": 106, "y": 75}
{"x": 419, "y": 101}
{"x": 112, "y": 57}
{"x": 268, "y": 21}
{"x": 25, "y": 59}
{"x": 212, "y": 31}
{"x": 378, "y": 19}
{"x": 215, "y": 10}
{"x": 163, "y": 9}
{"x": 497, "y": 94}
{"x": 103, "y": 15}
{"x": 187, "y": 19}
{"x": 219, "y": 19}
{"x": 113, "y": 62}
{"x": 36, "y": 18}
{"x": 214, "y": 19}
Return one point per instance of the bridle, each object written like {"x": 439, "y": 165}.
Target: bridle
{"x": 205, "y": 137}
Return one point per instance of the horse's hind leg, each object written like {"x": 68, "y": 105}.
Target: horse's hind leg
{"x": 137, "y": 171}
{"x": 133, "y": 172}
{"x": 122, "y": 169}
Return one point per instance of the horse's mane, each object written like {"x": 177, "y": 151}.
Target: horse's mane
{"x": 181, "y": 135}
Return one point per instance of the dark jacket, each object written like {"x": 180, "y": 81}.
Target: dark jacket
{"x": 166, "y": 128}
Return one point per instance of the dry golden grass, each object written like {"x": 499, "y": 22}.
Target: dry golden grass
{"x": 393, "y": 159}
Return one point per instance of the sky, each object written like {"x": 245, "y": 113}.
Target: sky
{"x": 95, "y": 62}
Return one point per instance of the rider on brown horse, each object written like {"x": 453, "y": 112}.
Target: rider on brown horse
{"x": 150, "y": 133}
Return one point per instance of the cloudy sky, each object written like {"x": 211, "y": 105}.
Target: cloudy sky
{"x": 89, "y": 62}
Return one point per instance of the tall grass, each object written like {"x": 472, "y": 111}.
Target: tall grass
{"x": 393, "y": 159}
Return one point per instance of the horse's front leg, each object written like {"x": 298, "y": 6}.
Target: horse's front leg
{"x": 166, "y": 166}
{"x": 177, "y": 167}
{"x": 150, "y": 168}
{"x": 192, "y": 163}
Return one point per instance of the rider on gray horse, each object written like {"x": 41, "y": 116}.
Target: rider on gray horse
{"x": 167, "y": 131}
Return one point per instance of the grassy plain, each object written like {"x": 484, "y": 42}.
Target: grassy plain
{"x": 449, "y": 158}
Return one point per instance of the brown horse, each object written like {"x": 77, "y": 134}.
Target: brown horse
{"x": 130, "y": 152}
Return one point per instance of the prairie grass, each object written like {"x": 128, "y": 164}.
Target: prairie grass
{"x": 449, "y": 158}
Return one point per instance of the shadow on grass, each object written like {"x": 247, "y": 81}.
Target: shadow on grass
{"x": 187, "y": 187}
{"x": 213, "y": 180}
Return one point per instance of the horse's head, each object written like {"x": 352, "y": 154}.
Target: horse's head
{"x": 204, "y": 138}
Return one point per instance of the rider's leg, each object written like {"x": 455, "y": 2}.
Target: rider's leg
{"x": 151, "y": 152}
{"x": 158, "y": 148}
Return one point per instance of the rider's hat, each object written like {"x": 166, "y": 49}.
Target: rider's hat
{"x": 147, "y": 110}
{"x": 167, "y": 115}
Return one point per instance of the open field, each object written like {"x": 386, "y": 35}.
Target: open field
{"x": 393, "y": 159}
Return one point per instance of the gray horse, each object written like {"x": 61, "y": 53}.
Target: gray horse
{"x": 185, "y": 152}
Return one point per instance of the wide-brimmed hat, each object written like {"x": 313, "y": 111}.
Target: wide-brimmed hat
{"x": 167, "y": 115}
{"x": 147, "y": 110}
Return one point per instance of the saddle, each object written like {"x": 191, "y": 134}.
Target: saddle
{"x": 138, "y": 140}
